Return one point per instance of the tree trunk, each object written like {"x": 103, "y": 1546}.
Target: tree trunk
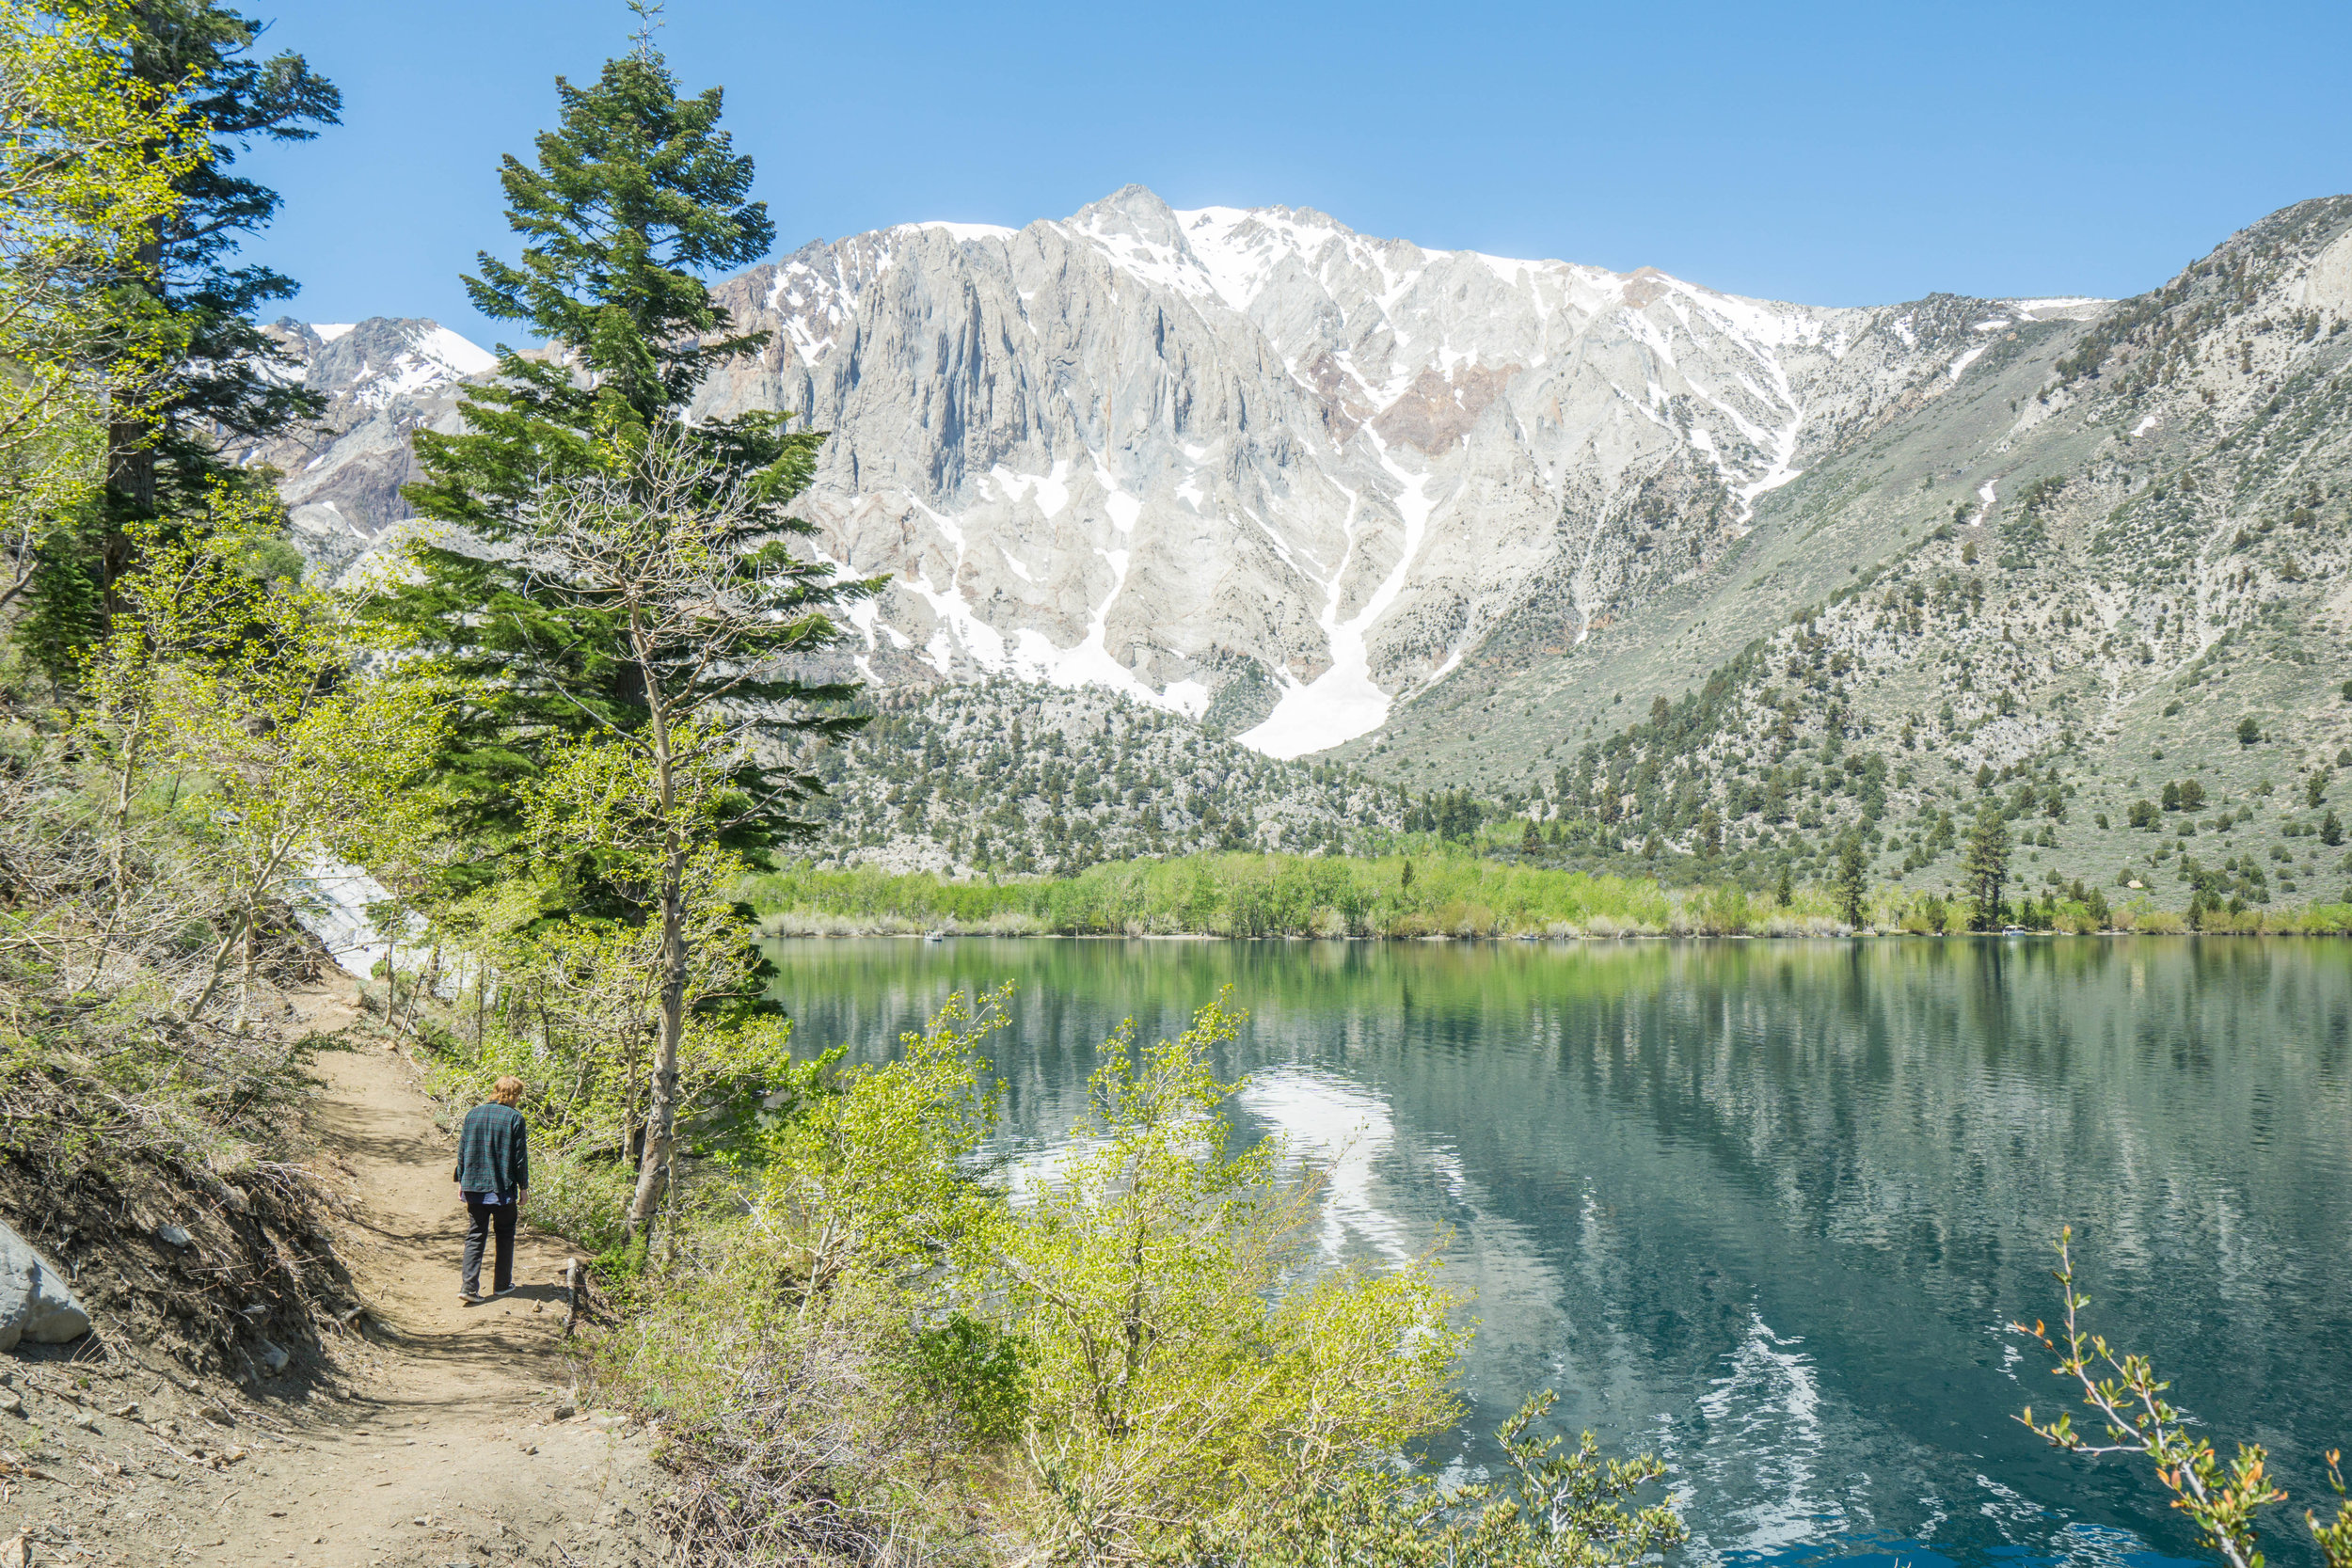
{"x": 244, "y": 979}
{"x": 117, "y": 851}
{"x": 214, "y": 972}
{"x": 662, "y": 1112}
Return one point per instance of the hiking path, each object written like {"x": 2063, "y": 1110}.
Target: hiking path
{"x": 455, "y": 1439}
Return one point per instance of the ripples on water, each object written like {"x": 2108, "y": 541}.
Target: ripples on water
{"x": 1764, "y": 1206}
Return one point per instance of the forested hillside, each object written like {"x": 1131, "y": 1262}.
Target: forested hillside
{"x": 2126, "y": 622}
{"x": 1009, "y": 777}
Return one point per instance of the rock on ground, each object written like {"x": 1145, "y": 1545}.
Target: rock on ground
{"x": 36, "y": 1302}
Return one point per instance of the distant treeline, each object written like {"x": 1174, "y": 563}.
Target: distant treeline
{"x": 1396, "y": 896}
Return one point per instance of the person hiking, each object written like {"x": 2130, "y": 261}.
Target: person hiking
{"x": 494, "y": 1178}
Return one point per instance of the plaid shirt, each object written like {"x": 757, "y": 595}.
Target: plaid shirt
{"x": 494, "y": 1151}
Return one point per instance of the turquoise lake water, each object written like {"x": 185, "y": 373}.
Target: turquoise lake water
{"x": 1765, "y": 1206}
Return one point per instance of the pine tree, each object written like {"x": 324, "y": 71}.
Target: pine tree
{"x": 227, "y": 388}
{"x": 1986, "y": 869}
{"x": 1852, "y": 885}
{"x": 225, "y": 384}
{"x": 633, "y": 197}
{"x": 630, "y": 200}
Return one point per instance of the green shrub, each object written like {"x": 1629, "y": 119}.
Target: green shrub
{"x": 1227, "y": 895}
{"x": 975, "y": 1369}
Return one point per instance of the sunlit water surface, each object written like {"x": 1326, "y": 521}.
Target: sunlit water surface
{"x": 1765, "y": 1207}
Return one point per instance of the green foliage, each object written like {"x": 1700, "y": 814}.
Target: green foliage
{"x": 1135, "y": 1358}
{"x": 92, "y": 164}
{"x": 685, "y": 568}
{"x": 225, "y": 384}
{"x": 2222, "y": 1500}
{"x": 1239, "y": 895}
{"x": 870, "y": 1178}
{"x": 572, "y": 1007}
{"x": 240, "y": 687}
{"x": 574, "y": 1192}
{"x": 2026, "y": 538}
{"x": 1722, "y": 910}
{"x": 975, "y": 1369}
{"x": 221, "y": 383}
{"x": 630, "y": 200}
{"x": 1555, "y": 1508}
{"x": 1182, "y": 1370}
{"x": 1852, "y": 888}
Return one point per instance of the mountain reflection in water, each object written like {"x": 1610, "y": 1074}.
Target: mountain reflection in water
{"x": 1764, "y": 1207}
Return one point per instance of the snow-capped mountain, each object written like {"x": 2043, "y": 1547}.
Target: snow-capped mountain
{"x": 1249, "y": 460}
{"x": 1179, "y": 454}
{"x": 384, "y": 378}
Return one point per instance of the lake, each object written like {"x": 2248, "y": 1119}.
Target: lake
{"x": 1765, "y": 1206}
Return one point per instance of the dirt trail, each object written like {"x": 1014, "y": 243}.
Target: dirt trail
{"x": 459, "y": 1444}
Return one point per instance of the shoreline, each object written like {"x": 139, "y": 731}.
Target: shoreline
{"x": 761, "y": 934}
{"x": 1455, "y": 897}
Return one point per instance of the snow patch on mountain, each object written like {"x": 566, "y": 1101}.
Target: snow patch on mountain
{"x": 1345, "y": 701}
{"x": 458, "y": 354}
{"x": 2072, "y": 305}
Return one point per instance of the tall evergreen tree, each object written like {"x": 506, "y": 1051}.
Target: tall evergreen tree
{"x": 227, "y": 388}
{"x": 1986, "y": 869}
{"x": 1853, "y": 881}
{"x": 628, "y": 203}
{"x": 224, "y": 386}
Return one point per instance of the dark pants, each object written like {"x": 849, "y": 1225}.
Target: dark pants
{"x": 482, "y": 1219}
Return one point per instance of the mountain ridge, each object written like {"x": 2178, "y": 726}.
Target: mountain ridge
{"x": 1667, "y": 572}
{"x": 1364, "y": 442}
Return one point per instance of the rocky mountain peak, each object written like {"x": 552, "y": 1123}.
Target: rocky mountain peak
{"x": 1251, "y": 466}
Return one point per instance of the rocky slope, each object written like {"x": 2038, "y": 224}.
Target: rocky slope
{"x": 1255, "y": 467}
{"x": 1449, "y": 519}
{"x": 2113, "y": 582}
{"x": 1247, "y": 465}
{"x": 383, "y": 379}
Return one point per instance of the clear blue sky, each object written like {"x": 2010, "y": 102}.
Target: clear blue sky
{"x": 1833, "y": 154}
